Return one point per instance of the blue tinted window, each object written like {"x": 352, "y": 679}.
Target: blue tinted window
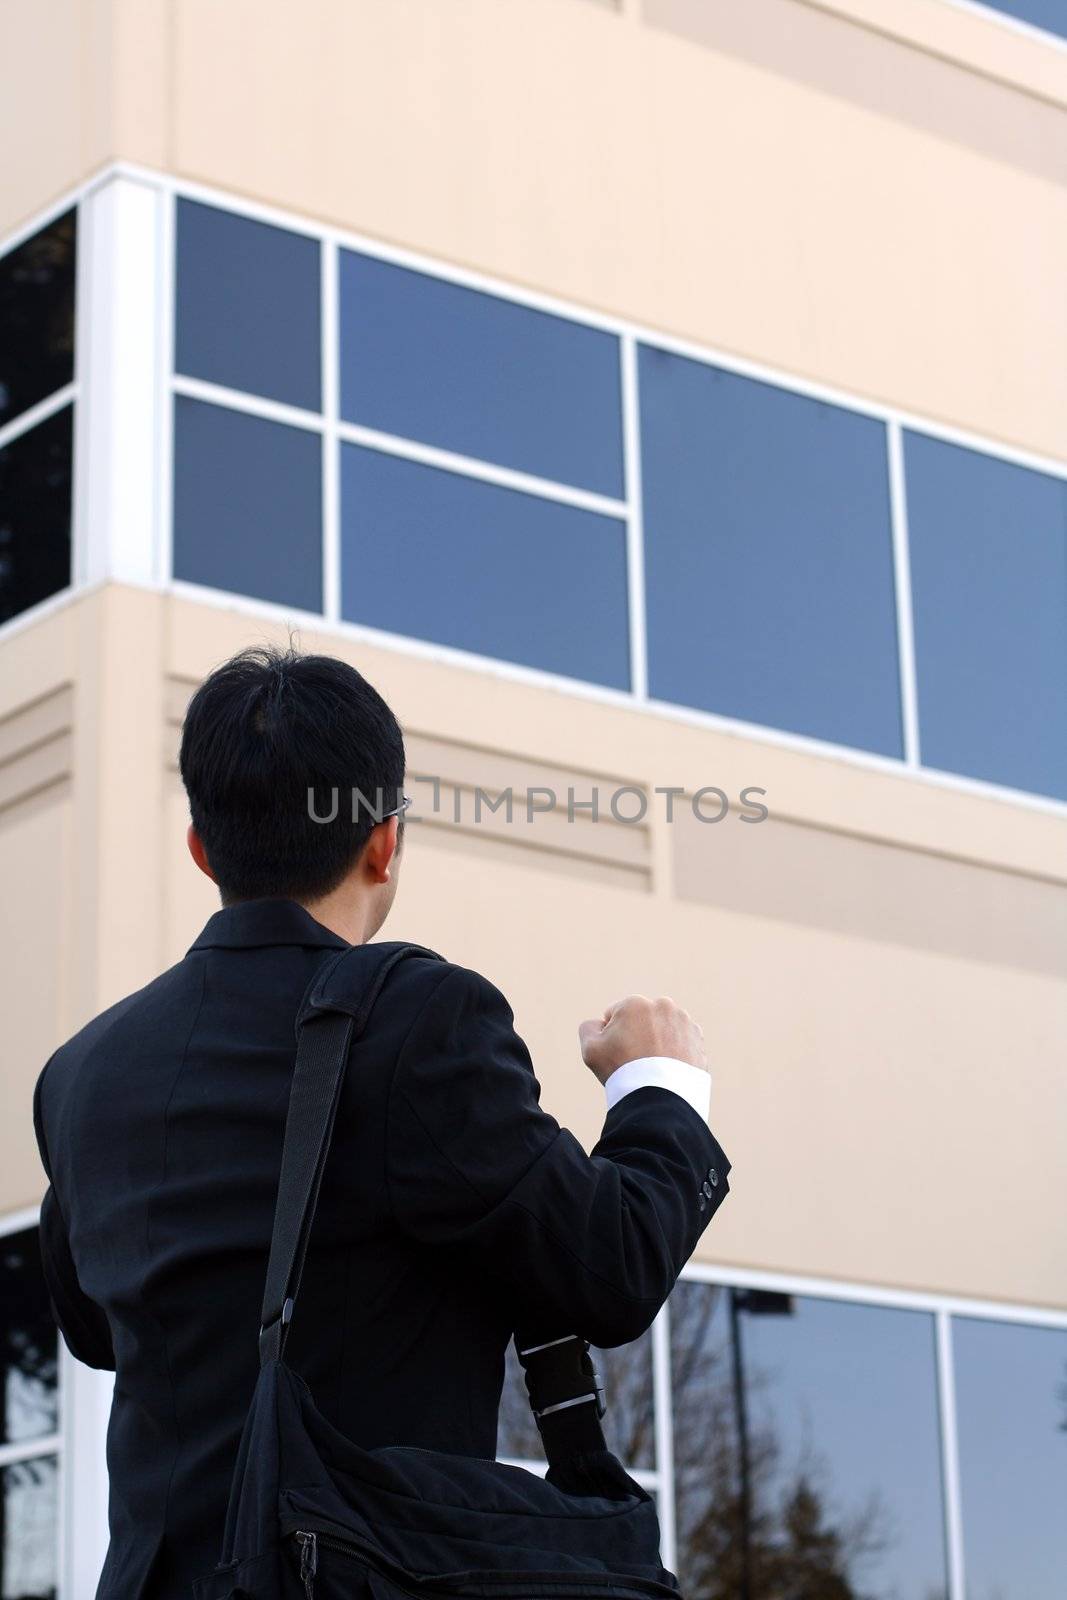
{"x": 768, "y": 556}
{"x": 37, "y": 317}
{"x": 988, "y": 547}
{"x": 828, "y": 1413}
{"x": 438, "y": 556}
{"x": 472, "y": 373}
{"x": 247, "y": 305}
{"x": 1011, "y": 1410}
{"x": 247, "y": 505}
{"x": 35, "y": 474}
{"x": 1049, "y": 14}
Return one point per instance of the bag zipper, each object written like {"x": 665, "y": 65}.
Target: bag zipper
{"x": 309, "y": 1556}
{"x": 309, "y": 1563}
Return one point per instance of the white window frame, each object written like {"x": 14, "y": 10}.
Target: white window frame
{"x": 333, "y": 430}
{"x": 123, "y": 515}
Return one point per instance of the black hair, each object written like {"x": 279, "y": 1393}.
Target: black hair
{"x": 272, "y": 740}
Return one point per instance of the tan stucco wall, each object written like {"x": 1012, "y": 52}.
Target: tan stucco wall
{"x": 866, "y": 192}
{"x": 888, "y": 1085}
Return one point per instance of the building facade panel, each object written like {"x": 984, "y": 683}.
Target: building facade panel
{"x": 667, "y": 182}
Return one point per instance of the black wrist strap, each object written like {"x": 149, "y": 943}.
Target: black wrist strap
{"x": 565, "y": 1392}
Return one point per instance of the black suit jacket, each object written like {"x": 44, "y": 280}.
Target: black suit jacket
{"x": 453, "y": 1210}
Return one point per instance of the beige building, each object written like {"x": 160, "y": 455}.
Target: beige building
{"x": 661, "y": 401}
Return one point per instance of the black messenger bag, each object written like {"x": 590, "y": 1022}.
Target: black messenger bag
{"x": 313, "y": 1516}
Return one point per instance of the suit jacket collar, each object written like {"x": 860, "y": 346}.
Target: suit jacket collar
{"x": 252, "y": 923}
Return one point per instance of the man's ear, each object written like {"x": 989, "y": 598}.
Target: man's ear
{"x": 380, "y": 848}
{"x": 198, "y": 853}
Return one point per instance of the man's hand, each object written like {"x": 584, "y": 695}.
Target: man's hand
{"x": 637, "y": 1027}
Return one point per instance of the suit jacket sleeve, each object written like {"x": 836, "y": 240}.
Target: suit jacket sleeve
{"x": 81, "y": 1321}
{"x": 593, "y": 1243}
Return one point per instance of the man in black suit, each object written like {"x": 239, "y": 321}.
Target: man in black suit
{"x": 453, "y": 1208}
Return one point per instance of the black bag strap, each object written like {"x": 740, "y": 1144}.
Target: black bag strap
{"x": 564, "y": 1387}
{"x": 565, "y": 1391}
{"x": 332, "y": 1015}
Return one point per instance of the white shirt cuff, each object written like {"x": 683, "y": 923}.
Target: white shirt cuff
{"x": 662, "y": 1072}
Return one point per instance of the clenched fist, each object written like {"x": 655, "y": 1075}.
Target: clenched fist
{"x": 637, "y": 1027}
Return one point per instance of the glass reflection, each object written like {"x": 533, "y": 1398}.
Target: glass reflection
{"x": 37, "y": 318}
{"x": 481, "y": 568}
{"x": 35, "y": 514}
{"x": 247, "y": 505}
{"x": 247, "y": 305}
{"x": 629, "y": 1426}
{"x": 768, "y": 555}
{"x": 28, "y": 1342}
{"x": 480, "y": 375}
{"x": 1011, "y": 1421}
{"x": 29, "y": 1513}
{"x": 989, "y": 593}
{"x": 807, "y": 1457}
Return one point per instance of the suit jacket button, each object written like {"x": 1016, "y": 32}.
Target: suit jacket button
{"x": 701, "y": 1202}
{"x": 706, "y": 1187}
{"x": 713, "y": 1175}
